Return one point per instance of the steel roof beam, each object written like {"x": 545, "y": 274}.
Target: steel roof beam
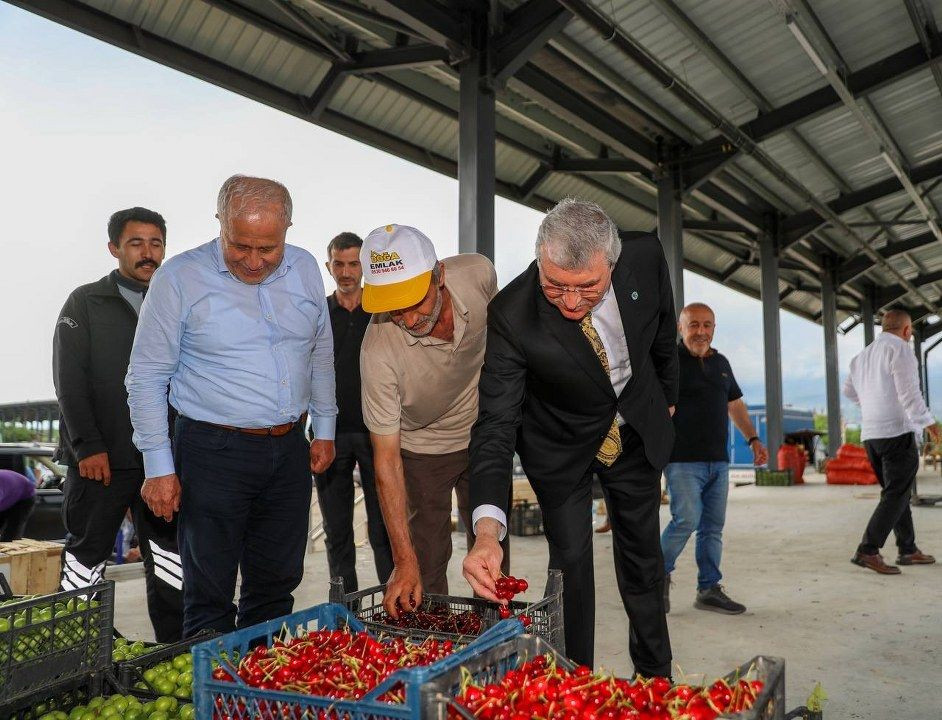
{"x": 396, "y": 58}
{"x": 528, "y": 28}
{"x": 704, "y": 170}
{"x": 807, "y": 221}
{"x": 858, "y": 265}
{"x": 530, "y": 185}
{"x": 433, "y": 21}
{"x": 676, "y": 86}
{"x": 889, "y": 295}
{"x": 317, "y": 103}
{"x": 572, "y": 105}
{"x": 711, "y": 274}
{"x": 579, "y": 166}
{"x": 925, "y": 26}
{"x": 347, "y": 10}
{"x": 861, "y": 83}
{"x": 126, "y": 36}
{"x": 715, "y": 226}
{"x": 312, "y": 27}
{"x": 820, "y": 50}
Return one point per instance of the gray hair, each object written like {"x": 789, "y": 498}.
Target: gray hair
{"x": 574, "y": 231}
{"x": 243, "y": 193}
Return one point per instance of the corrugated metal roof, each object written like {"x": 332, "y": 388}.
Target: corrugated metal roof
{"x": 413, "y": 112}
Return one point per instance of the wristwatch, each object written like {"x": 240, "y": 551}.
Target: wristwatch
{"x": 751, "y": 440}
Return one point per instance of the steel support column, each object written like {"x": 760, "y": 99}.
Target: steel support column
{"x": 866, "y": 315}
{"x": 670, "y": 227}
{"x": 832, "y": 380}
{"x": 920, "y": 366}
{"x": 476, "y": 144}
{"x": 772, "y": 344}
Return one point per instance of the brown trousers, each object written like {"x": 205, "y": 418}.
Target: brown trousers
{"x": 430, "y": 480}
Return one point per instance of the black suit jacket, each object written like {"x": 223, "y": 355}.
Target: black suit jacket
{"x": 543, "y": 390}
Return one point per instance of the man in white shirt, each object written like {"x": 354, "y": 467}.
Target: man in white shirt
{"x": 884, "y": 381}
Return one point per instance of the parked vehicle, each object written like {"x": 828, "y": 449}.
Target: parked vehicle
{"x": 34, "y": 460}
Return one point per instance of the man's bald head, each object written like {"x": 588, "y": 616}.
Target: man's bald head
{"x": 898, "y": 322}
{"x": 696, "y": 325}
{"x": 695, "y": 307}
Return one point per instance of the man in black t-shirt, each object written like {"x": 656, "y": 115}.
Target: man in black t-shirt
{"x": 698, "y": 472}
{"x": 335, "y": 490}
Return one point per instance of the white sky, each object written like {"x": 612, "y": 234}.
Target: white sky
{"x": 88, "y": 129}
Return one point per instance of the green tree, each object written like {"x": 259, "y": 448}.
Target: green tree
{"x": 821, "y": 425}
{"x": 16, "y": 433}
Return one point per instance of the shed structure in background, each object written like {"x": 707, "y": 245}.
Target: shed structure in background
{"x": 789, "y": 149}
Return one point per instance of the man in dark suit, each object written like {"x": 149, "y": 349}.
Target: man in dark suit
{"x": 581, "y": 375}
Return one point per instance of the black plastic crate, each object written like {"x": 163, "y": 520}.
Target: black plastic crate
{"x": 54, "y": 638}
{"x": 130, "y": 672}
{"x": 58, "y": 696}
{"x": 546, "y": 614}
{"x": 490, "y": 666}
{"x": 526, "y": 519}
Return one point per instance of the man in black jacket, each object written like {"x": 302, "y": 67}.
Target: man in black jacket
{"x": 580, "y": 373}
{"x": 91, "y": 351}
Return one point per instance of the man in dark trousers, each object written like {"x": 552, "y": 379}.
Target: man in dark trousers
{"x": 91, "y": 350}
{"x": 580, "y": 373}
{"x": 239, "y": 328}
{"x": 698, "y": 473}
{"x": 884, "y": 381}
{"x": 335, "y": 488}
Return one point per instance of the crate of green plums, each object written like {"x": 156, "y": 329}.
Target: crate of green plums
{"x": 120, "y": 707}
{"x": 150, "y": 671}
{"x": 50, "y": 639}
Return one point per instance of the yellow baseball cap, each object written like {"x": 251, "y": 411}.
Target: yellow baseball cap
{"x": 397, "y": 265}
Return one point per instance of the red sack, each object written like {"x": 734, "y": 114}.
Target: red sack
{"x": 848, "y": 450}
{"x": 792, "y": 457}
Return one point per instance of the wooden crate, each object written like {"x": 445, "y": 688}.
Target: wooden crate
{"x": 522, "y": 492}
{"x": 32, "y": 567}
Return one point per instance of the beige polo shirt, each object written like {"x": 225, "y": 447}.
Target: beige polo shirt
{"x": 426, "y": 389}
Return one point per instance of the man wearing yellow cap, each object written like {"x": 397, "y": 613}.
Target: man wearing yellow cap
{"x": 419, "y": 366}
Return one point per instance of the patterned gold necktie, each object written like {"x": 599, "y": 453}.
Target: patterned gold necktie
{"x": 611, "y": 445}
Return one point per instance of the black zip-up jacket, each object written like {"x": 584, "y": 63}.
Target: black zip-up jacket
{"x": 91, "y": 350}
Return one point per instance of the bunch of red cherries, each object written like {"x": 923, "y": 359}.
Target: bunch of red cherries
{"x": 541, "y": 689}
{"x": 507, "y": 588}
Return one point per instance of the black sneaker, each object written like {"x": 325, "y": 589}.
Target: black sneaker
{"x": 716, "y": 600}
{"x": 667, "y": 593}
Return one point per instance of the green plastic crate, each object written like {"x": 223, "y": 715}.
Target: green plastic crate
{"x": 773, "y": 478}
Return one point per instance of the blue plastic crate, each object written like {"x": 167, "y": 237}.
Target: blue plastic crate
{"x": 241, "y": 702}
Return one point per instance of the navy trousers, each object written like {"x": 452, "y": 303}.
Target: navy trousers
{"x": 244, "y": 508}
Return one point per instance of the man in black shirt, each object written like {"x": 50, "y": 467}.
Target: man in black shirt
{"x": 698, "y": 472}
{"x": 335, "y": 486}
{"x": 90, "y": 355}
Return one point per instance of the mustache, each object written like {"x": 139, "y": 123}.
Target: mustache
{"x": 147, "y": 263}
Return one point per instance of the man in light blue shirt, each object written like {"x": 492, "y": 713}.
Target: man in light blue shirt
{"x": 240, "y": 331}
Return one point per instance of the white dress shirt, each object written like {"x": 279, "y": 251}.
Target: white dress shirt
{"x": 884, "y": 381}
{"x": 607, "y": 323}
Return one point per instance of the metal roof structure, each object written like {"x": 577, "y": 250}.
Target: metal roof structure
{"x": 789, "y": 149}
{"x": 821, "y": 125}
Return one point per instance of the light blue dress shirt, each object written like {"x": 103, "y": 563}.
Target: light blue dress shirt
{"x": 234, "y": 354}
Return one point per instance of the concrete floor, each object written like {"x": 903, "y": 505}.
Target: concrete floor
{"x": 873, "y": 642}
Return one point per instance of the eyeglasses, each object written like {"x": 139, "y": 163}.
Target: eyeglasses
{"x": 555, "y": 292}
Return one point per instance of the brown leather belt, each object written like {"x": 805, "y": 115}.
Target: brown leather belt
{"x": 273, "y": 431}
